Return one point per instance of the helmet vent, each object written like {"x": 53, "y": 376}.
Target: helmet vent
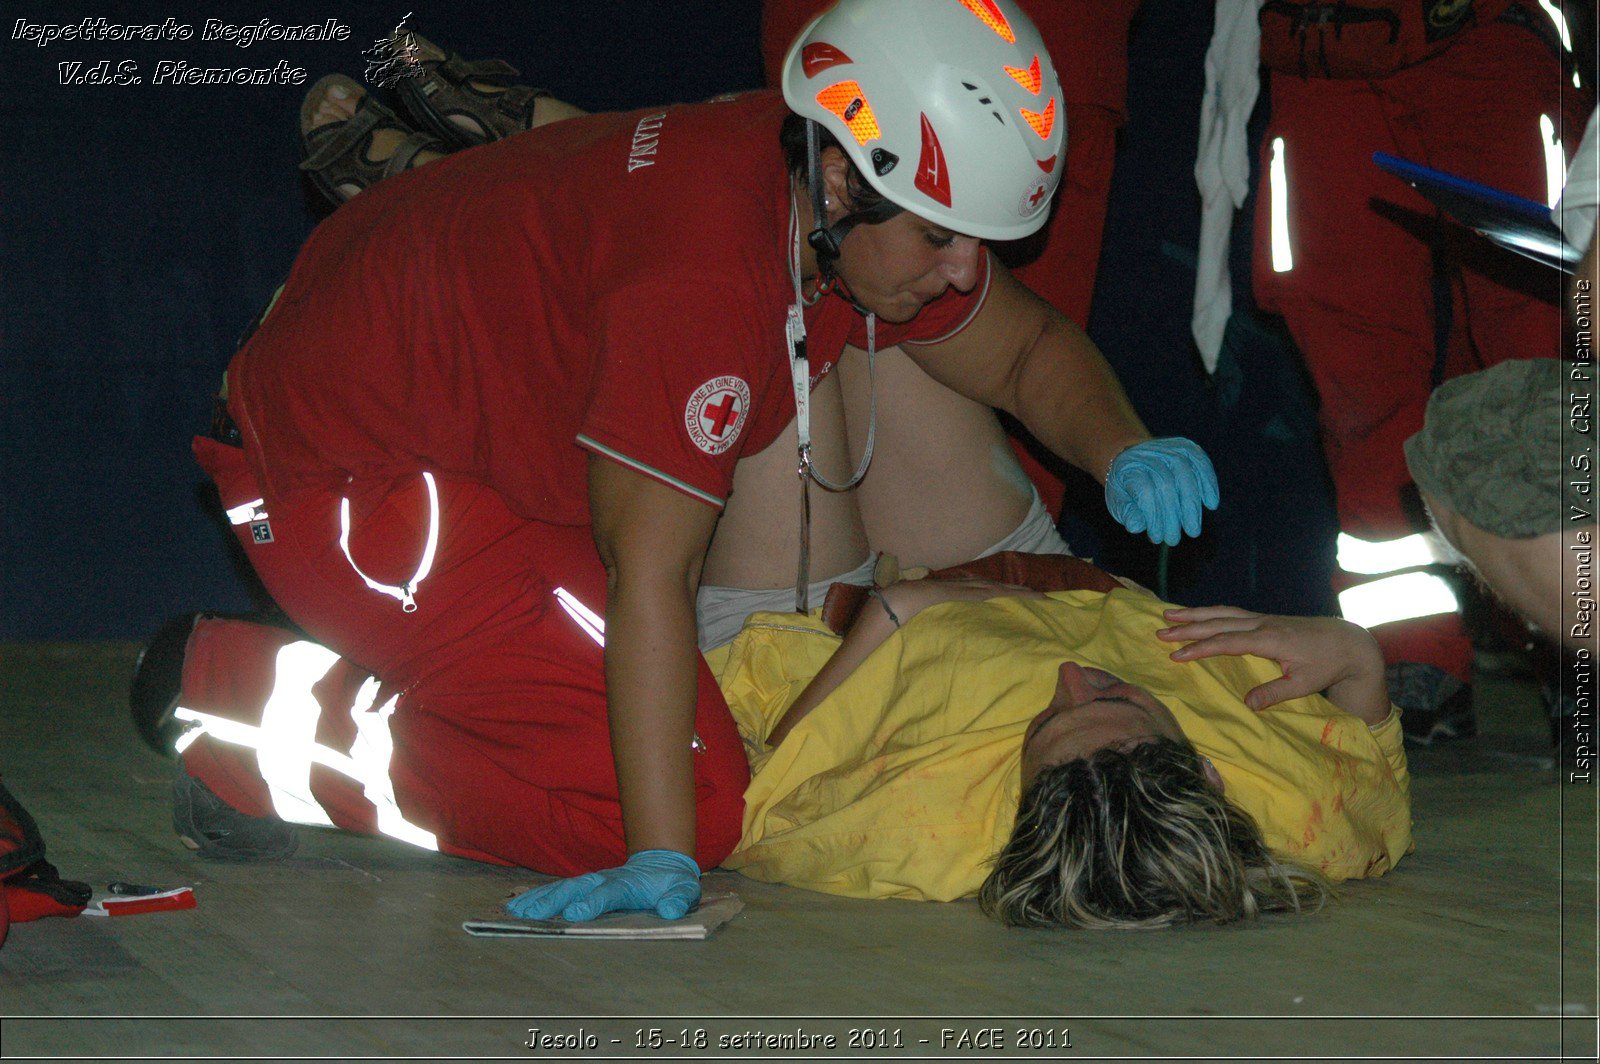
{"x": 986, "y": 101}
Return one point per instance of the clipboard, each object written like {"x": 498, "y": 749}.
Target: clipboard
{"x": 1516, "y": 224}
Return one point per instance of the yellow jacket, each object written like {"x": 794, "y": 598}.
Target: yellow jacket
{"x": 905, "y": 781}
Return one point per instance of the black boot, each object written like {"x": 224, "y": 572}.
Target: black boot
{"x": 158, "y": 682}
{"x": 217, "y": 830}
{"x": 1435, "y": 707}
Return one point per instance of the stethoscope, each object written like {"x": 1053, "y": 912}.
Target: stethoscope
{"x": 800, "y": 373}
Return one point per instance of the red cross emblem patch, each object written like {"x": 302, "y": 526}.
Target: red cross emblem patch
{"x": 716, "y": 413}
{"x": 1037, "y": 196}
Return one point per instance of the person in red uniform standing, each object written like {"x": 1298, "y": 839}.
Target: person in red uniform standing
{"x": 1473, "y": 87}
{"x": 1090, "y": 41}
{"x": 488, "y": 427}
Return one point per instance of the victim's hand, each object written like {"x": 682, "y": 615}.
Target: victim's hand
{"x": 1316, "y": 654}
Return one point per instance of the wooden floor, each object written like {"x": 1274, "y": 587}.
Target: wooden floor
{"x": 1482, "y": 944}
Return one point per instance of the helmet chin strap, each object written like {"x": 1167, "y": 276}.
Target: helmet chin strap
{"x": 824, "y": 239}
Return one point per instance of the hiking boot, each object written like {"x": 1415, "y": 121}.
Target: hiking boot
{"x": 217, "y": 830}
{"x": 1435, "y": 707}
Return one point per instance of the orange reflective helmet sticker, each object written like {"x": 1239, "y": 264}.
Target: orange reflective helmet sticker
{"x": 846, "y": 100}
{"x": 993, "y": 17}
{"x": 1029, "y": 78}
{"x": 1041, "y": 123}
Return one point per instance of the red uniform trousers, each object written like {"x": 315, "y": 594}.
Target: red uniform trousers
{"x": 1359, "y": 298}
{"x": 1060, "y": 266}
{"x": 499, "y": 733}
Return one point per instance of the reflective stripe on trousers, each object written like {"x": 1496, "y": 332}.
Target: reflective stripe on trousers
{"x": 1400, "y": 595}
{"x": 286, "y": 746}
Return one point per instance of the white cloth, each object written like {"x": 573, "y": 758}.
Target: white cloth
{"x": 720, "y": 612}
{"x": 1222, "y": 169}
{"x": 1035, "y": 535}
{"x": 1575, "y": 211}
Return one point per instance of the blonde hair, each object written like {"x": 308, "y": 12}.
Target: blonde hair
{"x": 1138, "y": 838}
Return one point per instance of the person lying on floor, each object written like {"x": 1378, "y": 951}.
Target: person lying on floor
{"x": 1056, "y": 755}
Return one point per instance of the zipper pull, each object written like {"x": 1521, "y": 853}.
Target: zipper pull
{"x": 408, "y": 603}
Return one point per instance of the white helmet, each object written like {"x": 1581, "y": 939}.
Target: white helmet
{"x": 949, "y": 108}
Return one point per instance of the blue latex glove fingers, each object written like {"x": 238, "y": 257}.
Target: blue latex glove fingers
{"x": 1185, "y": 489}
{"x": 543, "y": 903}
{"x": 1200, "y": 485}
{"x": 609, "y": 896}
{"x": 1154, "y": 502}
{"x": 1153, "y": 505}
{"x": 1121, "y": 504}
{"x": 1206, "y": 493}
{"x": 678, "y": 900}
{"x": 618, "y": 895}
{"x": 663, "y": 880}
{"x": 1161, "y": 487}
{"x": 1167, "y": 502}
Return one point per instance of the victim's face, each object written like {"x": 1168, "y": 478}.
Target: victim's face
{"x": 1093, "y": 709}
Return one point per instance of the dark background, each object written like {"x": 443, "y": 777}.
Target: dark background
{"x": 144, "y": 226}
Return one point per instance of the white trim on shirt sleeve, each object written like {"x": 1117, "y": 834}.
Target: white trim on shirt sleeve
{"x": 590, "y": 443}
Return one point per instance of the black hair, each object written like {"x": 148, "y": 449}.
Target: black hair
{"x": 867, "y": 205}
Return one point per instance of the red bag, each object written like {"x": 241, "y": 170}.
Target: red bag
{"x": 1366, "y": 39}
{"x": 30, "y": 886}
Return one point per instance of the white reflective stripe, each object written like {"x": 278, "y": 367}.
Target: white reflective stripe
{"x": 404, "y": 592}
{"x": 186, "y": 740}
{"x": 244, "y": 513}
{"x": 1561, "y": 22}
{"x": 289, "y": 731}
{"x": 1373, "y": 557}
{"x": 591, "y": 622}
{"x": 1555, "y": 161}
{"x": 373, "y": 751}
{"x": 1278, "y": 173}
{"x": 286, "y": 746}
{"x": 1397, "y": 598}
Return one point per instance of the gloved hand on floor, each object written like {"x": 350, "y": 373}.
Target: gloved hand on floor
{"x": 1159, "y": 485}
{"x": 663, "y": 880}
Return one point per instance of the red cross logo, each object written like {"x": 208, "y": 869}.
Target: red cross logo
{"x": 714, "y": 415}
{"x": 723, "y": 416}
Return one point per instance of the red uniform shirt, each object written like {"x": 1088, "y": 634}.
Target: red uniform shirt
{"x": 617, "y": 282}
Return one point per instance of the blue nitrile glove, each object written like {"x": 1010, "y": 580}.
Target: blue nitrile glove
{"x": 664, "y": 880}
{"x": 1158, "y": 485}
